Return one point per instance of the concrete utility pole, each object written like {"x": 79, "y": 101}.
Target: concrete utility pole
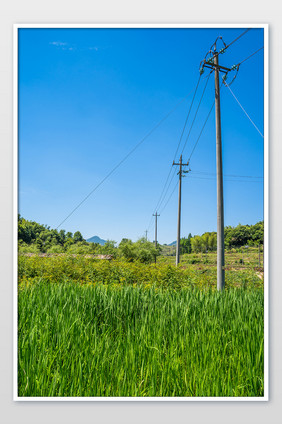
{"x": 212, "y": 63}
{"x": 146, "y": 231}
{"x": 180, "y": 173}
{"x": 259, "y": 254}
{"x": 156, "y": 234}
{"x": 220, "y": 209}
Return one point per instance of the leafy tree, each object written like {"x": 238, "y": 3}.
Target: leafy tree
{"x": 196, "y": 243}
{"x": 142, "y": 250}
{"x": 145, "y": 250}
{"x": 109, "y": 248}
{"x": 79, "y": 248}
{"x": 55, "y": 249}
{"x": 212, "y": 241}
{"x": 77, "y": 237}
{"x": 185, "y": 244}
{"x": 127, "y": 249}
{"x": 205, "y": 242}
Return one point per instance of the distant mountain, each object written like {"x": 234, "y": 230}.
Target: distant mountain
{"x": 96, "y": 239}
{"x": 172, "y": 244}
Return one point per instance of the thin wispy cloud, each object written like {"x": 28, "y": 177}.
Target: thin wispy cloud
{"x": 71, "y": 47}
{"x": 58, "y": 43}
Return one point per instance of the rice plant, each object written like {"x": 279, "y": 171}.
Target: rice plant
{"x": 98, "y": 340}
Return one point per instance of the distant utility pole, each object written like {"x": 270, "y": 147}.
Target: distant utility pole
{"x": 212, "y": 63}
{"x": 146, "y": 234}
{"x": 259, "y": 254}
{"x": 156, "y": 233}
{"x": 180, "y": 173}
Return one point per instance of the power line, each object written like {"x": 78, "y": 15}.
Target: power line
{"x": 240, "y": 63}
{"x": 170, "y": 196}
{"x": 188, "y": 114}
{"x": 201, "y": 131}
{"x": 215, "y": 54}
{"x": 167, "y": 188}
{"x": 226, "y": 175}
{"x": 203, "y": 127}
{"x": 163, "y": 193}
{"x": 237, "y": 38}
{"x": 232, "y": 42}
{"x": 207, "y": 178}
{"x": 230, "y": 180}
{"x": 225, "y": 83}
{"x": 124, "y": 159}
{"x": 196, "y": 113}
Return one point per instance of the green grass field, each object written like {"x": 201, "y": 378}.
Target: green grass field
{"x": 95, "y": 328}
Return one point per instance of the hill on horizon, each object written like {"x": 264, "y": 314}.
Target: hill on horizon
{"x": 172, "y": 244}
{"x": 96, "y": 239}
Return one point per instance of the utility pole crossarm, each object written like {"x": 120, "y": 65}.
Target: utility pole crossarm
{"x": 215, "y": 65}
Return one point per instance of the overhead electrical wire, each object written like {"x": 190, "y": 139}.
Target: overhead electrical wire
{"x": 238, "y": 181}
{"x": 226, "y": 175}
{"x": 125, "y": 157}
{"x": 169, "y": 198}
{"x": 196, "y": 113}
{"x": 162, "y": 198}
{"x": 209, "y": 113}
{"x": 203, "y": 127}
{"x": 180, "y": 139}
{"x": 225, "y": 83}
{"x": 165, "y": 187}
{"x": 164, "y": 193}
{"x": 195, "y": 145}
{"x": 232, "y": 42}
{"x": 240, "y": 63}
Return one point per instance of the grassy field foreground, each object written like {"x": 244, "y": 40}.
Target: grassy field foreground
{"x": 137, "y": 340}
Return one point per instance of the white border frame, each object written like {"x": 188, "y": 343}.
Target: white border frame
{"x": 16, "y": 27}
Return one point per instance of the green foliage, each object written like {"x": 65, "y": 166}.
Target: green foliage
{"x": 28, "y": 248}
{"x": 79, "y": 248}
{"x": 85, "y": 340}
{"x": 142, "y": 250}
{"x": 109, "y": 248}
{"x": 239, "y": 236}
{"x": 127, "y": 249}
{"x": 244, "y": 235}
{"x": 56, "y": 249}
{"x": 43, "y": 239}
{"x": 121, "y": 272}
{"x": 196, "y": 244}
{"x": 77, "y": 237}
{"x": 185, "y": 244}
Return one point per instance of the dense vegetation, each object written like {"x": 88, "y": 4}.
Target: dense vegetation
{"x": 116, "y": 328}
{"x": 132, "y": 327}
{"x": 234, "y": 237}
{"x": 37, "y": 238}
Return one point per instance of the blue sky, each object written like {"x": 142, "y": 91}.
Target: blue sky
{"x": 88, "y": 96}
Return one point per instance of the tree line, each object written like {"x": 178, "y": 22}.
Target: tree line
{"x": 37, "y": 238}
{"x": 234, "y": 237}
